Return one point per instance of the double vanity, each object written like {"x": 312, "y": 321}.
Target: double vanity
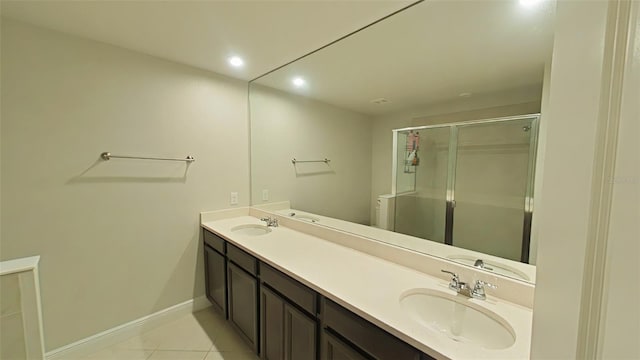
{"x": 296, "y": 290}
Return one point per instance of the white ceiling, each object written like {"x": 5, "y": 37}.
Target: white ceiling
{"x": 430, "y": 53}
{"x": 267, "y": 34}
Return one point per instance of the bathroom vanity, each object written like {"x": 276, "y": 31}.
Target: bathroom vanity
{"x": 297, "y": 292}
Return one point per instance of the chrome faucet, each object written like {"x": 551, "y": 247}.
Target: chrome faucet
{"x": 461, "y": 287}
{"x": 271, "y": 221}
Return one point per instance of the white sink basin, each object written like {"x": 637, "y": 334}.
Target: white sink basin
{"x": 251, "y": 229}
{"x": 457, "y": 318}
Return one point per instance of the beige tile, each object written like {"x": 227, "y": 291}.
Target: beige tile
{"x": 9, "y": 294}
{"x": 178, "y": 355}
{"x": 193, "y": 332}
{"x": 228, "y": 340}
{"x": 231, "y": 355}
{"x": 140, "y": 342}
{"x": 113, "y": 353}
{"x": 12, "y": 337}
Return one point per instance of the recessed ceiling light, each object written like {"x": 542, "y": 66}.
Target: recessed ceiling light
{"x": 236, "y": 61}
{"x": 298, "y": 81}
{"x": 529, "y": 3}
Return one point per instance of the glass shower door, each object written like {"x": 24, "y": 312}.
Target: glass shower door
{"x": 421, "y": 182}
{"x": 492, "y": 181}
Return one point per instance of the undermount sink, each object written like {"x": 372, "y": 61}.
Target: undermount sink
{"x": 251, "y": 229}
{"x": 458, "y": 318}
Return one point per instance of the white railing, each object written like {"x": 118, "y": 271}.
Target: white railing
{"x": 22, "y": 310}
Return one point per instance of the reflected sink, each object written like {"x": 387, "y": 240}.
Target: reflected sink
{"x": 458, "y": 318}
{"x": 307, "y": 218}
{"x": 501, "y": 269}
{"x": 251, "y": 229}
{"x": 304, "y": 217}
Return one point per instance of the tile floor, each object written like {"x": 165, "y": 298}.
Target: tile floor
{"x": 203, "y": 335}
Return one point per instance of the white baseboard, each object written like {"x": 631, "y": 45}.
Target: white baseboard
{"x": 122, "y": 332}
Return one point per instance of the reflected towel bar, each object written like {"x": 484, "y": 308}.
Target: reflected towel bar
{"x": 294, "y": 161}
{"x": 107, "y": 155}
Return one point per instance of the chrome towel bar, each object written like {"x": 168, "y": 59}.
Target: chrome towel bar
{"x": 107, "y": 156}
{"x": 294, "y": 161}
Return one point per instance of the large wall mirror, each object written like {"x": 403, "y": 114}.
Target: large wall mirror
{"x": 420, "y": 130}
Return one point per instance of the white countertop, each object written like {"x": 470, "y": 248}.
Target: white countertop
{"x": 370, "y": 287}
{"x": 506, "y": 267}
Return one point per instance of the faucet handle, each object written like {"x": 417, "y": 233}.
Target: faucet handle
{"x": 478, "y": 290}
{"x": 271, "y": 221}
{"x": 484, "y": 283}
{"x": 454, "y": 284}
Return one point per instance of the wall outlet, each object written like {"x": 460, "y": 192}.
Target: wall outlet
{"x": 265, "y": 195}
{"x": 234, "y": 198}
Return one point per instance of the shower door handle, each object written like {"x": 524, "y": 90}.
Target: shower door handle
{"x": 453, "y": 204}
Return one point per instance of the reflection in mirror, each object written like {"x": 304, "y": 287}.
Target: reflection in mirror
{"x": 399, "y": 110}
{"x": 466, "y": 184}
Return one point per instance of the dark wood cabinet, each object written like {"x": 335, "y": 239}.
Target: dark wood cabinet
{"x": 283, "y": 319}
{"x": 286, "y": 332}
{"x": 243, "y": 303}
{"x": 334, "y": 349}
{"x": 271, "y": 325}
{"x": 216, "y": 278}
{"x": 366, "y": 337}
{"x": 300, "y": 333}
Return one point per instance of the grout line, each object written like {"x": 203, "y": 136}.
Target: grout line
{"x": 151, "y": 354}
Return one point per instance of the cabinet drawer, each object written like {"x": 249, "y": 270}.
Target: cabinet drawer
{"x": 242, "y": 259}
{"x": 290, "y": 288}
{"x": 214, "y": 241}
{"x": 368, "y": 337}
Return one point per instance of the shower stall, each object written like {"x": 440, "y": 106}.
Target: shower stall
{"x": 468, "y": 184}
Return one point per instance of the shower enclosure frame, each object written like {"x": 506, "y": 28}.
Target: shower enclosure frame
{"x": 451, "y": 172}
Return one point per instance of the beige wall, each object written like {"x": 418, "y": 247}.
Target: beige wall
{"x": 286, "y": 126}
{"x": 118, "y": 239}
{"x": 621, "y": 323}
{"x": 565, "y": 196}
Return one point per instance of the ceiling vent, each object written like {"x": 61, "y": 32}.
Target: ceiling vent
{"x": 379, "y": 101}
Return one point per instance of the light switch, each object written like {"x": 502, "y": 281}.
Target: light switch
{"x": 265, "y": 195}
{"x": 234, "y": 198}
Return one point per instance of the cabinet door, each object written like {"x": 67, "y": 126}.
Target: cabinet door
{"x": 299, "y": 335}
{"x": 334, "y": 349}
{"x": 271, "y": 325}
{"x": 243, "y": 304}
{"x": 216, "y": 279}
